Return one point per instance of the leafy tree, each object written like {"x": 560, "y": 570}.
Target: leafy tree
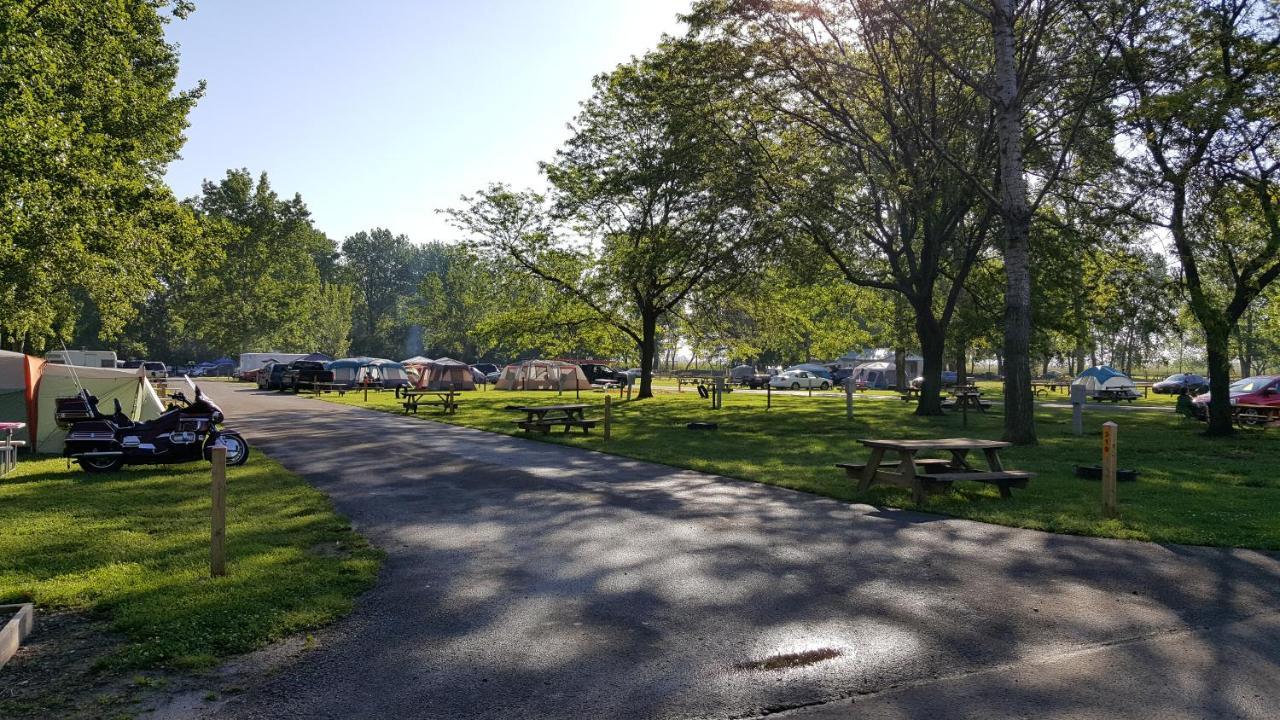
{"x": 265, "y": 289}
{"x": 657, "y": 188}
{"x": 877, "y": 152}
{"x": 385, "y": 270}
{"x": 89, "y": 118}
{"x": 1199, "y": 107}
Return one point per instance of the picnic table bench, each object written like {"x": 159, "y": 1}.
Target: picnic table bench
{"x": 445, "y": 400}
{"x": 545, "y": 417}
{"x": 910, "y": 393}
{"x": 1043, "y": 386}
{"x": 1263, "y": 416}
{"x": 323, "y": 387}
{"x": 925, "y": 475}
{"x": 9, "y": 446}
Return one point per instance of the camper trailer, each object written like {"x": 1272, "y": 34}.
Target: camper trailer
{"x": 82, "y": 358}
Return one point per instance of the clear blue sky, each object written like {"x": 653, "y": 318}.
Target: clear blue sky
{"x": 381, "y": 112}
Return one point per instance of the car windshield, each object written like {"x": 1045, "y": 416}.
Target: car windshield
{"x": 1249, "y": 385}
{"x": 1175, "y": 378}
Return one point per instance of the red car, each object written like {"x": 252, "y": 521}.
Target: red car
{"x": 1258, "y": 390}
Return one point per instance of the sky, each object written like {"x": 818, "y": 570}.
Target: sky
{"x": 380, "y": 113}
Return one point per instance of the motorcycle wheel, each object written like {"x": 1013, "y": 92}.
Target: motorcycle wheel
{"x": 101, "y": 464}
{"x": 237, "y": 448}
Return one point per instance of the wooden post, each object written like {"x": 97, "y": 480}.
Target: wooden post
{"x": 768, "y": 396}
{"x": 1077, "y": 409}
{"x": 218, "y": 536}
{"x": 1109, "y": 452}
{"x": 366, "y": 392}
{"x": 608, "y": 415}
{"x": 964, "y": 409}
{"x": 848, "y": 399}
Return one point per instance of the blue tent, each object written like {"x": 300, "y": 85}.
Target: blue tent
{"x": 380, "y": 371}
{"x": 1104, "y": 381}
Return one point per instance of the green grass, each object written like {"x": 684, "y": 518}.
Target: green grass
{"x": 1192, "y": 489}
{"x": 133, "y": 547}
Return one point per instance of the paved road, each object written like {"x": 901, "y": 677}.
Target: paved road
{"x": 528, "y": 580}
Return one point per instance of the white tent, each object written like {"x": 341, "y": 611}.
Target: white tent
{"x": 446, "y": 374}
{"x": 877, "y": 375}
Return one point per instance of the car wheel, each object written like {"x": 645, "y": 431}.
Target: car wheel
{"x": 825, "y": 386}
{"x": 795, "y": 386}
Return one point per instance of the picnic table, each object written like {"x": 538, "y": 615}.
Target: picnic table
{"x": 323, "y": 387}
{"x": 965, "y": 397}
{"x": 545, "y": 417}
{"x": 1043, "y": 386}
{"x": 1115, "y": 395}
{"x": 9, "y": 446}
{"x": 910, "y": 393}
{"x": 444, "y": 399}
{"x": 1263, "y": 416}
{"x": 924, "y": 475}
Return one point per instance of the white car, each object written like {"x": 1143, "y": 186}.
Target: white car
{"x": 799, "y": 380}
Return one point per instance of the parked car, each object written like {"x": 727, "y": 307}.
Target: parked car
{"x": 798, "y": 380}
{"x": 270, "y": 374}
{"x": 599, "y": 372}
{"x": 154, "y": 368}
{"x": 1257, "y": 390}
{"x": 756, "y": 381}
{"x": 1180, "y": 383}
{"x": 489, "y": 370}
{"x": 304, "y": 374}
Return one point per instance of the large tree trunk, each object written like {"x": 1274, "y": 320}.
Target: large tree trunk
{"x": 900, "y": 367}
{"x": 961, "y": 371}
{"x": 1216, "y": 343}
{"x": 1019, "y": 406}
{"x": 648, "y": 351}
{"x": 932, "y": 348}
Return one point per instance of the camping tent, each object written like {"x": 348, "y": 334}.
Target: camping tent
{"x": 353, "y": 371}
{"x": 543, "y": 375}
{"x": 1097, "y": 379}
{"x": 877, "y": 375}
{"x": 29, "y": 388}
{"x": 445, "y": 374}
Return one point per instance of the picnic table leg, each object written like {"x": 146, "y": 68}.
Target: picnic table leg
{"x": 869, "y": 472}
{"x": 993, "y": 462}
{"x": 908, "y": 469}
{"x": 958, "y": 461}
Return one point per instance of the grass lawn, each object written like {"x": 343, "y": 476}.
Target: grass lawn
{"x": 1192, "y": 489}
{"x": 132, "y": 547}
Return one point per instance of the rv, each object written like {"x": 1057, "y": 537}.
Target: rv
{"x": 83, "y": 358}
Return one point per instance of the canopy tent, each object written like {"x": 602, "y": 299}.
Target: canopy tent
{"x": 445, "y": 374}
{"x": 1097, "y": 379}
{"x": 378, "y": 371}
{"x": 29, "y": 388}
{"x": 543, "y": 375}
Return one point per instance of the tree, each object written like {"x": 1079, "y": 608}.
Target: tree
{"x": 385, "y": 270}
{"x": 264, "y": 289}
{"x": 877, "y": 153}
{"x": 1199, "y": 106}
{"x": 655, "y": 185}
{"x": 89, "y": 118}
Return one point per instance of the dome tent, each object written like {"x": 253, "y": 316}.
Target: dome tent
{"x": 1096, "y": 380}
{"x": 878, "y": 375}
{"x": 445, "y": 374}
{"x": 543, "y": 375}
{"x": 352, "y": 372}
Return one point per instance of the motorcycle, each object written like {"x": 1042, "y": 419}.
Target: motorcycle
{"x": 186, "y": 432}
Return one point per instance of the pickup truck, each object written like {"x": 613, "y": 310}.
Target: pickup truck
{"x": 304, "y": 375}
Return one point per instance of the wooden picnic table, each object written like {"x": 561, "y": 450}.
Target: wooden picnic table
{"x": 9, "y": 446}
{"x": 544, "y": 417}
{"x": 1043, "y": 386}
{"x": 965, "y": 398}
{"x": 933, "y": 475}
{"x": 1263, "y": 416}
{"x": 322, "y": 387}
{"x": 413, "y": 399}
{"x": 910, "y": 393}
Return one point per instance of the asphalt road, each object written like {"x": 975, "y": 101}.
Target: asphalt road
{"x": 524, "y": 579}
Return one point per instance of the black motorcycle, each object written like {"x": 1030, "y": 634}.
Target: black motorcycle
{"x": 186, "y": 432}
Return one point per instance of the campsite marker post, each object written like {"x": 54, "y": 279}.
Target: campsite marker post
{"x": 768, "y": 396}
{"x": 608, "y": 415}
{"x": 218, "y": 535}
{"x": 848, "y": 398}
{"x": 1109, "y": 469}
{"x": 1077, "y": 409}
